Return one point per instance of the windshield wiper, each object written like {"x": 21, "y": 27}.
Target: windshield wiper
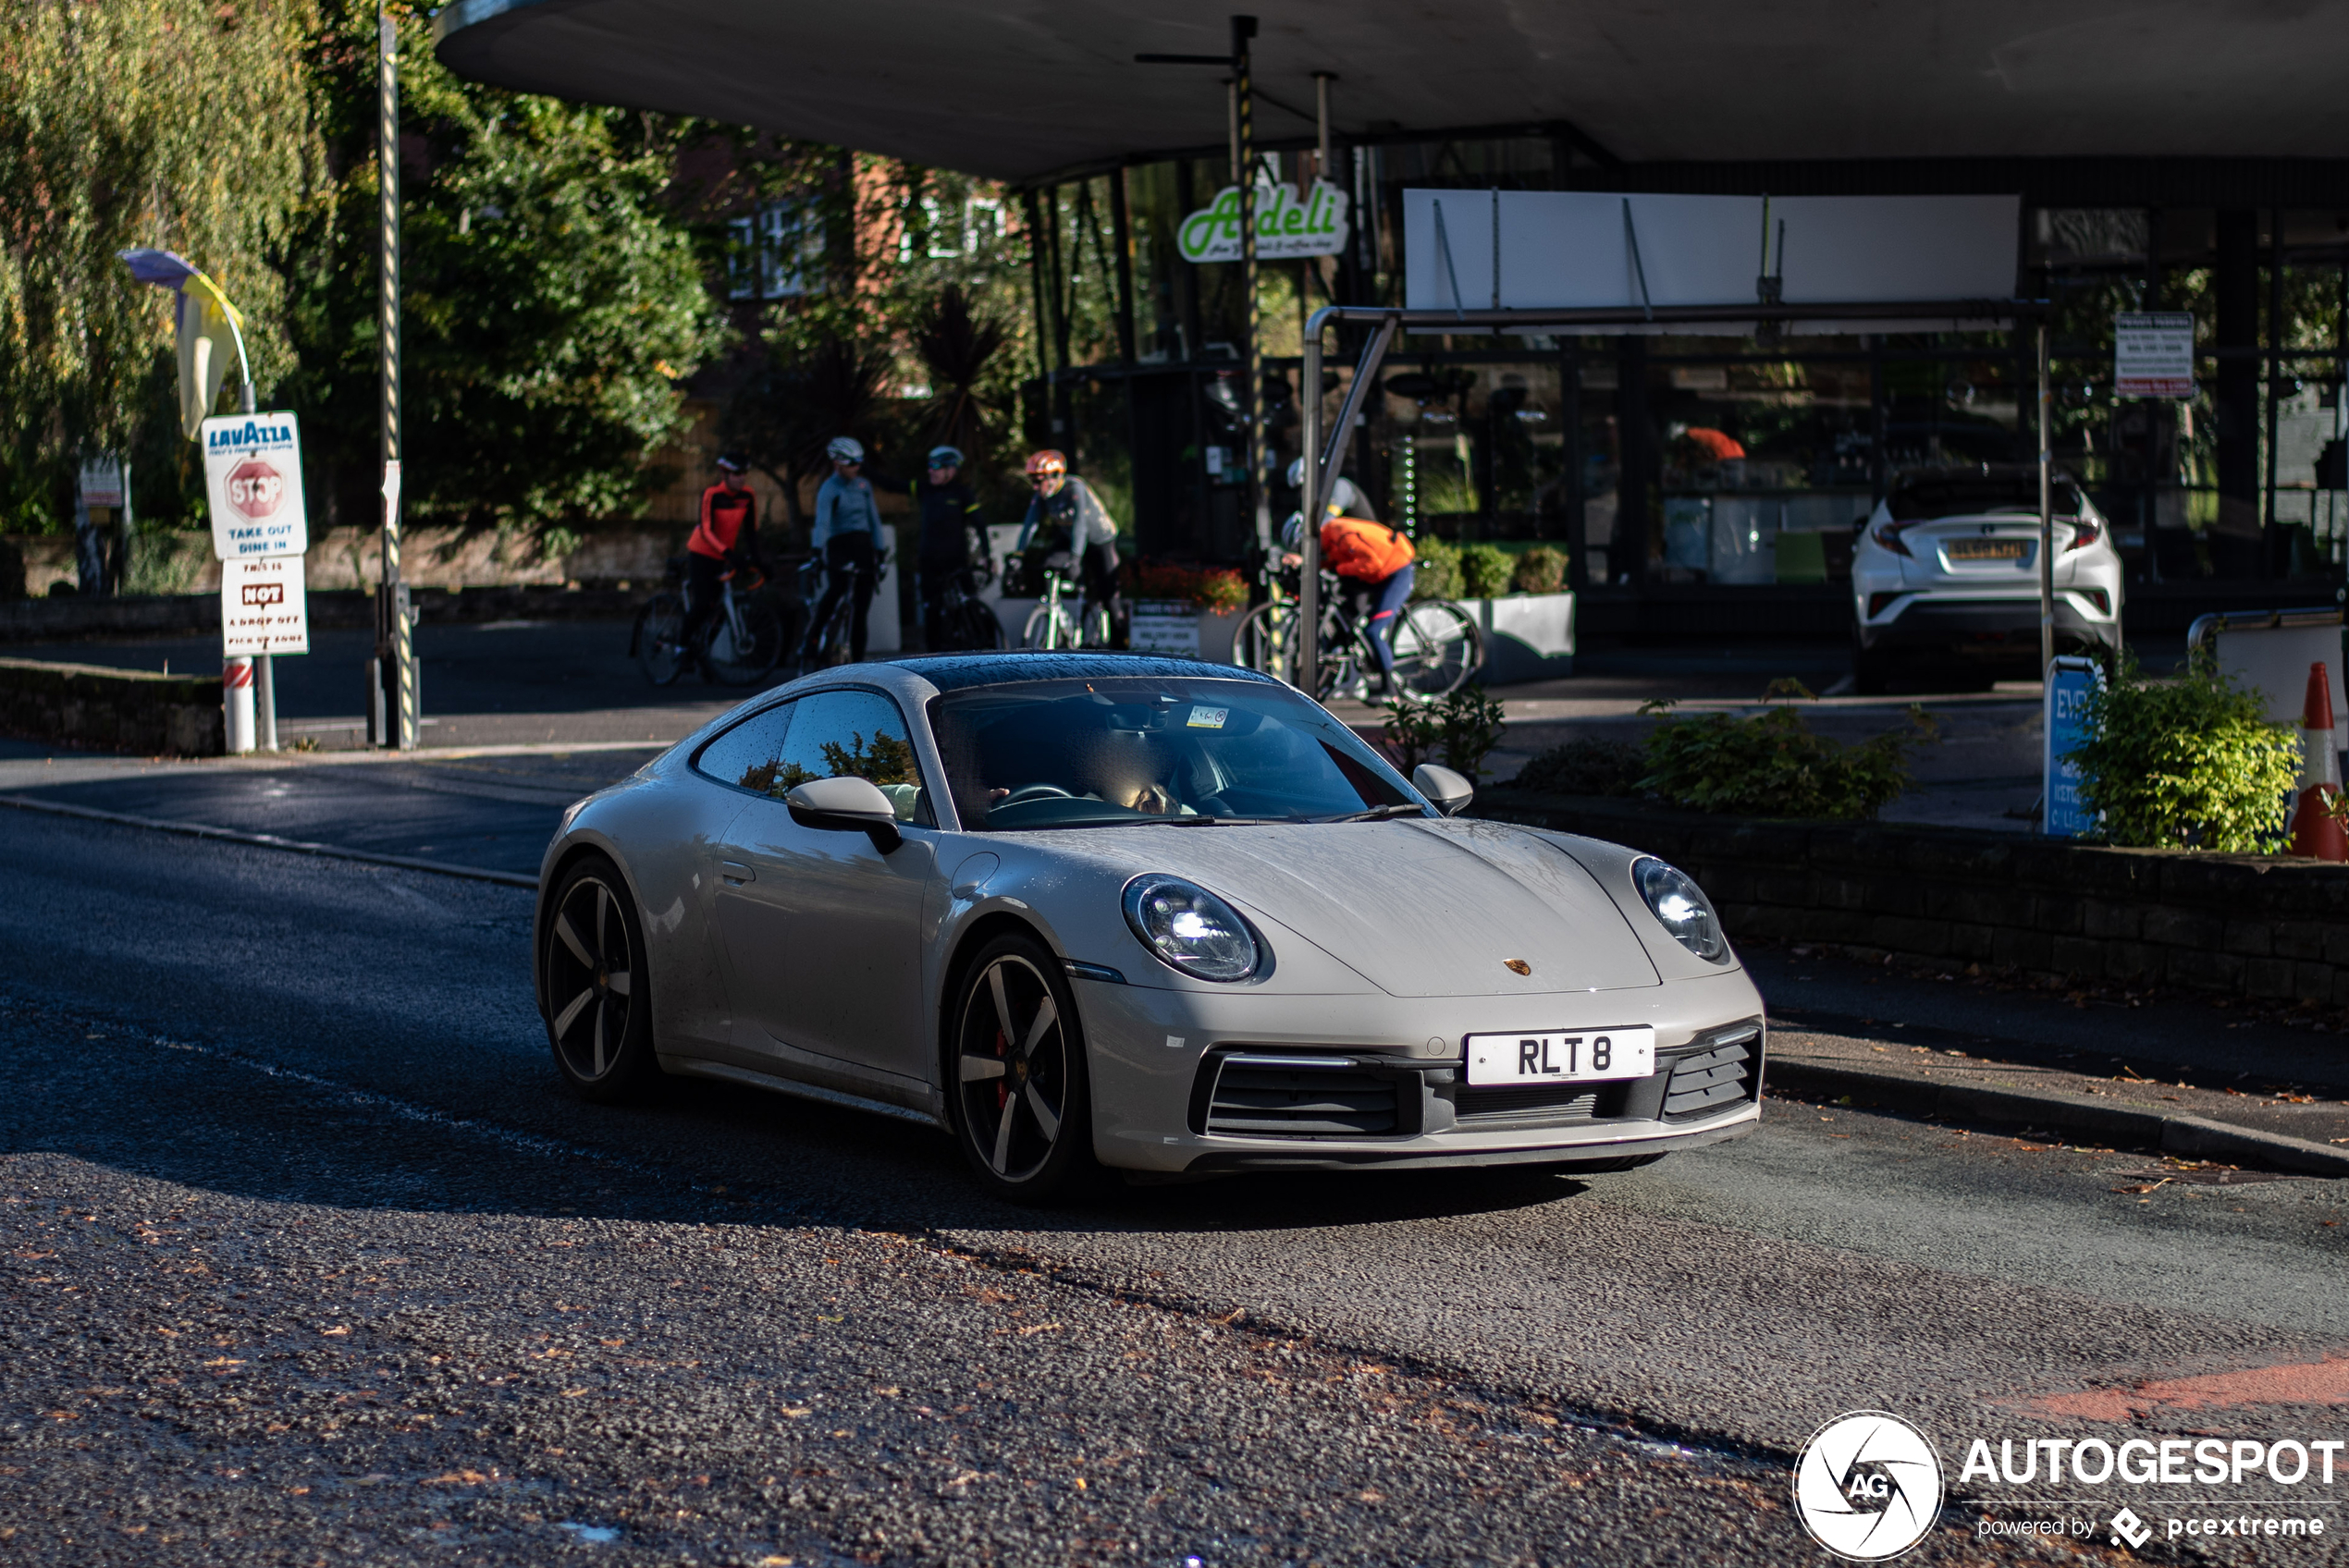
{"x": 1379, "y": 813}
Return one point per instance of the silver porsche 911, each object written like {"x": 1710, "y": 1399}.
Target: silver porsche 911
{"x": 1102, "y": 910}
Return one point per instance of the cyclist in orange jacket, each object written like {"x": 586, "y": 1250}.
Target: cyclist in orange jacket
{"x": 728, "y": 533}
{"x": 1378, "y": 563}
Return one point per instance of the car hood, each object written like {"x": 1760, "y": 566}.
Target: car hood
{"x": 1417, "y": 907}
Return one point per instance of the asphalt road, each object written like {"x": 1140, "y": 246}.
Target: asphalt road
{"x": 308, "y": 1257}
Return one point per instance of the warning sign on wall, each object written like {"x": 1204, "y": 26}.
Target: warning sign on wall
{"x": 2152, "y": 354}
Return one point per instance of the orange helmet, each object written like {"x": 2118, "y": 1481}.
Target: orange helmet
{"x": 1046, "y": 462}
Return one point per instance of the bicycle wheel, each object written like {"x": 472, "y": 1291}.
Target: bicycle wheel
{"x": 1097, "y": 632}
{"x": 836, "y": 646}
{"x": 1048, "y": 627}
{"x": 1437, "y": 647}
{"x": 750, "y": 657}
{"x": 976, "y": 625}
{"x": 660, "y": 628}
{"x": 1262, "y": 640}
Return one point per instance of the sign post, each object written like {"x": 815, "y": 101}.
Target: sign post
{"x": 2072, "y": 680}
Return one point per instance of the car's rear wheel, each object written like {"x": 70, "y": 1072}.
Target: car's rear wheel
{"x": 598, "y": 1001}
{"x": 1016, "y": 1074}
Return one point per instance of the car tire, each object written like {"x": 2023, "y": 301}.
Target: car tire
{"x": 1871, "y": 671}
{"x": 1018, "y": 1089}
{"x": 595, "y": 985}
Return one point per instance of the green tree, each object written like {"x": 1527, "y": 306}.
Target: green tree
{"x": 181, "y": 123}
{"x": 553, "y": 292}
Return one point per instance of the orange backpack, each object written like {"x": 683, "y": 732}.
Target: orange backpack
{"x": 1355, "y": 546}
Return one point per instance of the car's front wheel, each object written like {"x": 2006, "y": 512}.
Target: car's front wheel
{"x": 598, "y": 1000}
{"x": 1016, "y": 1074}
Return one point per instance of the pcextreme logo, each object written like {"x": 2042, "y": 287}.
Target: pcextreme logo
{"x": 1867, "y": 1486}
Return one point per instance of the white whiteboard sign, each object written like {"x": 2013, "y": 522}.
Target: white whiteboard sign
{"x": 2152, "y": 354}
{"x": 263, "y": 606}
{"x": 252, "y": 477}
{"x": 1535, "y": 249}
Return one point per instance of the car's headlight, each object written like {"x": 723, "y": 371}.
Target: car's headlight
{"x": 1681, "y": 905}
{"x": 1190, "y": 929}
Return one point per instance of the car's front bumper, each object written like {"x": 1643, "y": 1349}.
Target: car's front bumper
{"x": 1394, "y": 1077}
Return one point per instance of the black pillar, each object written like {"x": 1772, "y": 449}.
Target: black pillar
{"x": 1629, "y": 549}
{"x": 2234, "y": 537}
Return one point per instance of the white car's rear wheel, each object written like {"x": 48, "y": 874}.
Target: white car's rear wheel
{"x": 1016, "y": 1073}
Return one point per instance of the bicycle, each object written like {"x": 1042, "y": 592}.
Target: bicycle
{"x": 965, "y": 620}
{"x": 1050, "y": 624}
{"x": 1436, "y": 643}
{"x": 835, "y": 640}
{"x": 741, "y": 645}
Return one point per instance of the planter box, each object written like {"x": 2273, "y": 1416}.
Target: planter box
{"x": 2252, "y": 925}
{"x": 1527, "y": 636}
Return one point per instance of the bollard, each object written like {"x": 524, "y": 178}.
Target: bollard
{"x": 2316, "y": 831}
{"x": 236, "y": 702}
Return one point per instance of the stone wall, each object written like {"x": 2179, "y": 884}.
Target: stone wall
{"x": 2268, "y": 926}
{"x": 115, "y": 710}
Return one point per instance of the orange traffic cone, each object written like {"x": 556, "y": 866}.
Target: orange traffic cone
{"x": 2315, "y": 830}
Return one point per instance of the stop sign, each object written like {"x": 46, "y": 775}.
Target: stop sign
{"x": 255, "y": 488}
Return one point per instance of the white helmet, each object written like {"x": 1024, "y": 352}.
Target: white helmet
{"x": 846, "y": 449}
{"x": 1297, "y": 474}
{"x": 1293, "y": 533}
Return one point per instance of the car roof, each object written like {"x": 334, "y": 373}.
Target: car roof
{"x": 954, "y": 672}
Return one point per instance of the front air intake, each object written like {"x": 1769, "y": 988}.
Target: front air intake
{"x": 1720, "y": 1076}
{"x": 1253, "y": 1095}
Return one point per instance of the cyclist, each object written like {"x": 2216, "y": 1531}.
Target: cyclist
{"x": 1344, "y": 499}
{"x": 727, "y": 535}
{"x": 1377, "y": 564}
{"x": 847, "y": 539}
{"x": 1065, "y": 504}
{"x": 949, "y": 510}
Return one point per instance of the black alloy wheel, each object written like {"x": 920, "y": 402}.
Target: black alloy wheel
{"x": 596, "y": 997}
{"x": 1016, "y": 1074}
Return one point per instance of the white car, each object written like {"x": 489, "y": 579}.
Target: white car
{"x": 1947, "y": 571}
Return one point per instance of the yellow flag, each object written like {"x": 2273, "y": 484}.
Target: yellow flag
{"x": 207, "y": 330}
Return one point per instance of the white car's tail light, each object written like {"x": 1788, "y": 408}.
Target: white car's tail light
{"x": 1888, "y": 535}
{"x": 1190, "y": 929}
{"x": 2084, "y": 533}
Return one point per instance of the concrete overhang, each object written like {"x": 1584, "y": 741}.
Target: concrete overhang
{"x": 1020, "y": 90}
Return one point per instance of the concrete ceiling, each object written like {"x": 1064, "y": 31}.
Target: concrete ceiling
{"x": 1018, "y": 89}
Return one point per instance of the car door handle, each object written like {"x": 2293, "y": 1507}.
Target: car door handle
{"x": 735, "y": 873}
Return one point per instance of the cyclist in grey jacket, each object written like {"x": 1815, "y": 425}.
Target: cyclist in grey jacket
{"x": 1062, "y": 501}
{"x": 847, "y": 539}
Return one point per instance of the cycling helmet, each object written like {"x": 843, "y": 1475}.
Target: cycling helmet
{"x": 1046, "y": 462}
{"x": 1293, "y": 534}
{"x": 945, "y": 456}
{"x": 732, "y": 463}
{"x": 846, "y": 449}
{"x": 1297, "y": 474}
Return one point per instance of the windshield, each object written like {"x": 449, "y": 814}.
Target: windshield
{"x": 1100, "y": 752}
{"x": 1923, "y": 497}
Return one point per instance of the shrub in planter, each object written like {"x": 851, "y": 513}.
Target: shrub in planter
{"x": 1220, "y": 591}
{"x": 1438, "y": 576}
{"x": 2190, "y": 764}
{"x": 1588, "y": 766}
{"x": 1484, "y": 571}
{"x": 1540, "y": 569}
{"x": 1460, "y": 731}
{"x": 1774, "y": 765}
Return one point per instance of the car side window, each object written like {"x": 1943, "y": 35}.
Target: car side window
{"x": 748, "y": 756}
{"x": 838, "y": 734}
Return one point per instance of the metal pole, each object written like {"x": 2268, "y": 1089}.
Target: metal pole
{"x": 1309, "y": 574}
{"x": 1244, "y": 29}
{"x": 1322, "y": 81}
{"x": 395, "y": 627}
{"x": 2046, "y": 521}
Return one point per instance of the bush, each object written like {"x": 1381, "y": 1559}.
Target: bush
{"x": 1438, "y": 574}
{"x": 2190, "y": 764}
{"x": 1220, "y": 589}
{"x": 1585, "y": 767}
{"x": 1540, "y": 569}
{"x": 1773, "y": 765}
{"x": 1462, "y": 729}
{"x": 1484, "y": 571}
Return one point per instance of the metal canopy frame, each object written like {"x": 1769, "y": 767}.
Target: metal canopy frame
{"x": 1387, "y": 322}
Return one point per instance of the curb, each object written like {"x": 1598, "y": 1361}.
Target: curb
{"x": 271, "y": 841}
{"x": 2194, "y": 1136}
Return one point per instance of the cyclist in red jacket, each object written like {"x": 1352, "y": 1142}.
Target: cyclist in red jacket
{"x": 727, "y": 534}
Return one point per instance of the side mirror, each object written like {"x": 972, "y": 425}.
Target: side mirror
{"x": 845, "y": 805}
{"x": 1445, "y": 789}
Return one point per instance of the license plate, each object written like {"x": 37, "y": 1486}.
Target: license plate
{"x": 1988, "y": 549}
{"x": 1587, "y": 1057}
